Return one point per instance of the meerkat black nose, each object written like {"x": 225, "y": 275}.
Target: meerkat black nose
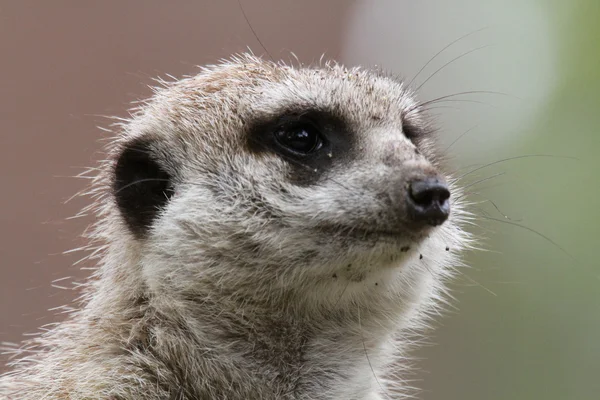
{"x": 428, "y": 201}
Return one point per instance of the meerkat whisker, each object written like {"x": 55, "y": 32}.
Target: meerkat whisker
{"x": 442, "y": 50}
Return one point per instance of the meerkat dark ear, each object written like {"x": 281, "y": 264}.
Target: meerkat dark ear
{"x": 141, "y": 186}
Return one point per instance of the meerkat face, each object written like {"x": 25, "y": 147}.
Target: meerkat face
{"x": 280, "y": 170}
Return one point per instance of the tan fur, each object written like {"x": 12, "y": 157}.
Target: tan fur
{"x": 230, "y": 297}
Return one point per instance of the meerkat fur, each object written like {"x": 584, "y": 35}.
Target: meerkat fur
{"x": 258, "y": 274}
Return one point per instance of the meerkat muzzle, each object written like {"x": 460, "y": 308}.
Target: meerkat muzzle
{"x": 428, "y": 201}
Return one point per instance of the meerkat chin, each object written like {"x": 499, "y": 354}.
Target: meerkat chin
{"x": 264, "y": 232}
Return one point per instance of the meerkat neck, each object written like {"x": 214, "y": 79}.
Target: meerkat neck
{"x": 268, "y": 348}
{"x": 281, "y": 342}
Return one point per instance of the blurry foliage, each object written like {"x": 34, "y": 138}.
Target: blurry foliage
{"x": 537, "y": 335}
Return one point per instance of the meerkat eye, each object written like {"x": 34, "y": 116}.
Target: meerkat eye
{"x": 301, "y": 137}
{"x": 415, "y": 130}
{"x": 410, "y": 131}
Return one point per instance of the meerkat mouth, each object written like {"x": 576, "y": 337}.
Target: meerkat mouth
{"x": 400, "y": 236}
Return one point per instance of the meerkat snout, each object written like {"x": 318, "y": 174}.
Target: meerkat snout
{"x": 428, "y": 200}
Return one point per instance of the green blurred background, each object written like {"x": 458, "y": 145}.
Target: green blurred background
{"x": 532, "y": 329}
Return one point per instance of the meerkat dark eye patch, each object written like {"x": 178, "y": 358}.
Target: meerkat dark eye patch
{"x": 410, "y": 131}
{"x": 310, "y": 141}
{"x": 141, "y": 186}
{"x": 416, "y": 131}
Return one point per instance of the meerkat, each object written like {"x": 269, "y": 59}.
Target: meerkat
{"x": 264, "y": 231}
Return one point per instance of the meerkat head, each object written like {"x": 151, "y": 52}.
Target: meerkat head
{"x": 260, "y": 178}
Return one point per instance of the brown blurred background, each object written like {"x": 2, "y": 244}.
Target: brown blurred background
{"x": 528, "y": 317}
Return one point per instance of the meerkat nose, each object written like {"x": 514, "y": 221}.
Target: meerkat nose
{"x": 428, "y": 201}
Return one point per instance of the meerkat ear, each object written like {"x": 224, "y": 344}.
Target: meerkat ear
{"x": 141, "y": 186}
